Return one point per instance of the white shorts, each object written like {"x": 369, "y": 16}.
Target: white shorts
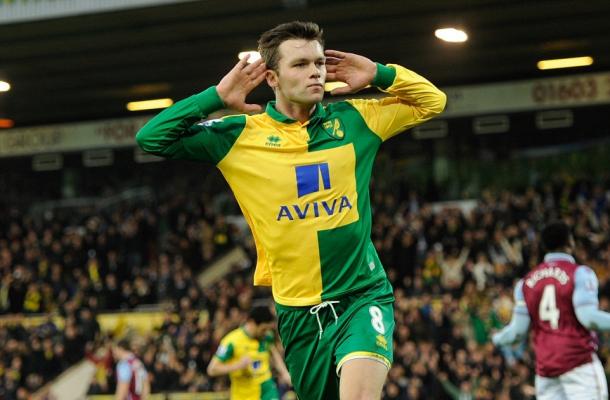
{"x": 586, "y": 382}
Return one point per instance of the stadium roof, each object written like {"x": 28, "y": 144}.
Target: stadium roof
{"x": 89, "y": 66}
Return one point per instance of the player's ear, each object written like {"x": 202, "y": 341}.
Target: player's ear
{"x": 272, "y": 78}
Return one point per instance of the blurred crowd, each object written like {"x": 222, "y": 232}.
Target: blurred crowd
{"x": 176, "y": 355}
{"x": 111, "y": 260}
{"x": 78, "y": 263}
{"x": 453, "y": 269}
{"x": 30, "y": 357}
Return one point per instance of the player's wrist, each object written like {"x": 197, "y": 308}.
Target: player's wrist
{"x": 209, "y": 101}
{"x": 384, "y": 76}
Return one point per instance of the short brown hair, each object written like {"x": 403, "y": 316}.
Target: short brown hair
{"x": 270, "y": 41}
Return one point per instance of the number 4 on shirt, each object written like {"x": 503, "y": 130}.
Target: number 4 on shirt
{"x": 547, "y": 309}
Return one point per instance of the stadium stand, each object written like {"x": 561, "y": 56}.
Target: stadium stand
{"x": 453, "y": 271}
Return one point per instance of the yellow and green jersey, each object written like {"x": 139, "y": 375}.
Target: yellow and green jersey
{"x": 247, "y": 384}
{"x": 302, "y": 187}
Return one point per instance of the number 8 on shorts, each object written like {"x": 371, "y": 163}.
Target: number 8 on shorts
{"x": 377, "y": 319}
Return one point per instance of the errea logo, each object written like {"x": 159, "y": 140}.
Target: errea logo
{"x": 273, "y": 141}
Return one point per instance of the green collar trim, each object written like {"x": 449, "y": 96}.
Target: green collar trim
{"x": 318, "y": 113}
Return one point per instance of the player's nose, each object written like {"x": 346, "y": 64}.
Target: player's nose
{"x": 315, "y": 71}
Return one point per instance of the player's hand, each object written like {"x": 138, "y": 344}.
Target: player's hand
{"x": 235, "y": 86}
{"x": 243, "y": 363}
{"x": 355, "y": 70}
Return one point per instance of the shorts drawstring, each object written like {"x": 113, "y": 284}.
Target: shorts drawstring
{"x": 316, "y": 309}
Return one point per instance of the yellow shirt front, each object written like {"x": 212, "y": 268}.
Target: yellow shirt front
{"x": 246, "y": 383}
{"x": 303, "y": 187}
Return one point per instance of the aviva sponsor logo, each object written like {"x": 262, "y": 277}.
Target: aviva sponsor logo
{"x": 311, "y": 179}
{"x": 314, "y": 209}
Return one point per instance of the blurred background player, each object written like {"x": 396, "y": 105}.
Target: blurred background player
{"x": 132, "y": 378}
{"x": 559, "y": 298}
{"x": 245, "y": 354}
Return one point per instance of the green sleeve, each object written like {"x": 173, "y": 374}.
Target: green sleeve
{"x": 224, "y": 352}
{"x": 384, "y": 78}
{"x": 178, "y": 133}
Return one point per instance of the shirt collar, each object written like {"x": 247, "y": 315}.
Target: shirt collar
{"x": 271, "y": 110}
{"x": 559, "y": 257}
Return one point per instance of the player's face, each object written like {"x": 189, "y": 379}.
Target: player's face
{"x": 301, "y": 72}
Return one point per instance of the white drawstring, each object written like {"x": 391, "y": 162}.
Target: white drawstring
{"x": 315, "y": 309}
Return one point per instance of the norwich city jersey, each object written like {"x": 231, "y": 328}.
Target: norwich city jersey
{"x": 249, "y": 383}
{"x": 302, "y": 187}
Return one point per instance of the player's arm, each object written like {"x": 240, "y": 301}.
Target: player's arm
{"x": 280, "y": 365}
{"x": 123, "y": 378}
{"x": 223, "y": 362}
{"x": 413, "y": 99}
{"x": 218, "y": 367}
{"x": 585, "y": 301}
{"x": 175, "y": 132}
{"x": 519, "y": 323}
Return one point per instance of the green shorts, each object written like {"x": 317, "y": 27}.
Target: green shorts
{"x": 269, "y": 390}
{"x": 363, "y": 329}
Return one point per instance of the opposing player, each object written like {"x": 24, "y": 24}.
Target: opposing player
{"x": 246, "y": 353}
{"x": 132, "y": 378}
{"x": 300, "y": 172}
{"x": 559, "y": 299}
